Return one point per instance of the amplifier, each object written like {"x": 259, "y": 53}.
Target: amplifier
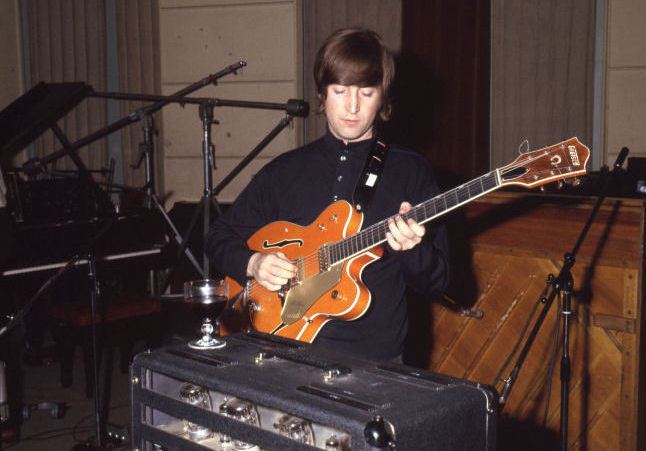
{"x": 263, "y": 392}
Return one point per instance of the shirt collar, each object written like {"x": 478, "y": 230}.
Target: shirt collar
{"x": 355, "y": 148}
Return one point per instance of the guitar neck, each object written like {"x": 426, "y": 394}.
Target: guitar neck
{"x": 421, "y": 213}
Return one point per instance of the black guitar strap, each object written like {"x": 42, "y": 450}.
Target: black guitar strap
{"x": 370, "y": 175}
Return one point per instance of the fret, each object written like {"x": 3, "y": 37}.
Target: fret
{"x": 492, "y": 182}
{"x": 425, "y": 209}
{"x": 374, "y": 235}
{"x": 437, "y": 205}
{"x": 417, "y": 215}
{"x": 454, "y": 198}
{"x": 463, "y": 193}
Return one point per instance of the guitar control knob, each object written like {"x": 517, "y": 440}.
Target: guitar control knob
{"x": 334, "y": 294}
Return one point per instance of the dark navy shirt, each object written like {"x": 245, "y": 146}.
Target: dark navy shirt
{"x": 297, "y": 186}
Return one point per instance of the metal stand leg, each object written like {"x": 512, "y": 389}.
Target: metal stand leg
{"x": 565, "y": 362}
{"x": 91, "y": 264}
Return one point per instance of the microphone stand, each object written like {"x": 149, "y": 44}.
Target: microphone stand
{"x": 87, "y": 256}
{"x": 562, "y": 286}
{"x": 35, "y": 165}
{"x": 147, "y": 153}
{"x": 293, "y": 107}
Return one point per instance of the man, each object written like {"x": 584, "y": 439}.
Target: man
{"x": 353, "y": 72}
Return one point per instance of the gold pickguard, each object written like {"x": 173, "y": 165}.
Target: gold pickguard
{"x": 301, "y": 297}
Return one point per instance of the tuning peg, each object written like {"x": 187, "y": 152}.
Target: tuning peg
{"x": 542, "y": 188}
{"x": 576, "y": 181}
{"x": 523, "y": 145}
{"x": 560, "y": 184}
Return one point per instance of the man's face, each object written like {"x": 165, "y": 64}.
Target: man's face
{"x": 351, "y": 110}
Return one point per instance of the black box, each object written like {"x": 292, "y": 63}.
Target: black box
{"x": 262, "y": 392}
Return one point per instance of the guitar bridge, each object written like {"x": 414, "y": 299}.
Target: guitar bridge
{"x": 324, "y": 258}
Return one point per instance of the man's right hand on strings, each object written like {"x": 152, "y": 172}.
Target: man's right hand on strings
{"x": 272, "y": 270}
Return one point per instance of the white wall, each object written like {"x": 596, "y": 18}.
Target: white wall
{"x": 201, "y": 37}
{"x": 625, "y": 78}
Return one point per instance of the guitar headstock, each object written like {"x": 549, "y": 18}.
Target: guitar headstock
{"x": 560, "y": 161}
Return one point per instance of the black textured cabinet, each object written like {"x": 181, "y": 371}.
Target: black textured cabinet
{"x": 260, "y": 392}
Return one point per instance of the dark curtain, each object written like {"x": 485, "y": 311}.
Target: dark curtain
{"x": 442, "y": 86}
{"x": 139, "y": 73}
{"x": 542, "y": 74}
{"x": 67, "y": 43}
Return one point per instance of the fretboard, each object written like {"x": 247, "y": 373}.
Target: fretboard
{"x": 421, "y": 213}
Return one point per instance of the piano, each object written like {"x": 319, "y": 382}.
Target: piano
{"x": 52, "y": 219}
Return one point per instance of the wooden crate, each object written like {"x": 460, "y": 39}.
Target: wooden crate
{"x": 510, "y": 244}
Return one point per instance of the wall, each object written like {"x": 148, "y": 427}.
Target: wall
{"x": 11, "y": 72}
{"x": 625, "y": 79}
{"x": 542, "y": 66}
{"x": 201, "y": 37}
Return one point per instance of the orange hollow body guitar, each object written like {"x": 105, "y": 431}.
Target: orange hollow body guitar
{"x": 332, "y": 251}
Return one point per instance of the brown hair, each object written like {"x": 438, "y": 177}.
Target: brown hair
{"x": 355, "y": 56}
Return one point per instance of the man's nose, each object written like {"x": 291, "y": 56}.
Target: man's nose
{"x": 353, "y": 102}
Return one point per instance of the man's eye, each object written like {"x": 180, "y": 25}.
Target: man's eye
{"x": 339, "y": 91}
{"x": 367, "y": 93}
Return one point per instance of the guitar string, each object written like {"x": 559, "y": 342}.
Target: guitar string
{"x": 377, "y": 230}
{"x": 381, "y": 227}
{"x": 383, "y": 224}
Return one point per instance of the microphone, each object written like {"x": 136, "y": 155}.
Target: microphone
{"x": 619, "y": 162}
{"x": 293, "y": 107}
{"x": 297, "y": 107}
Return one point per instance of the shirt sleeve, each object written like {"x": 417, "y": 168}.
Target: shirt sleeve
{"x": 425, "y": 268}
{"x": 226, "y": 244}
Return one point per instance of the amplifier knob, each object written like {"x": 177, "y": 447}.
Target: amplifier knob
{"x": 262, "y": 355}
{"x": 332, "y": 443}
{"x": 378, "y": 433}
